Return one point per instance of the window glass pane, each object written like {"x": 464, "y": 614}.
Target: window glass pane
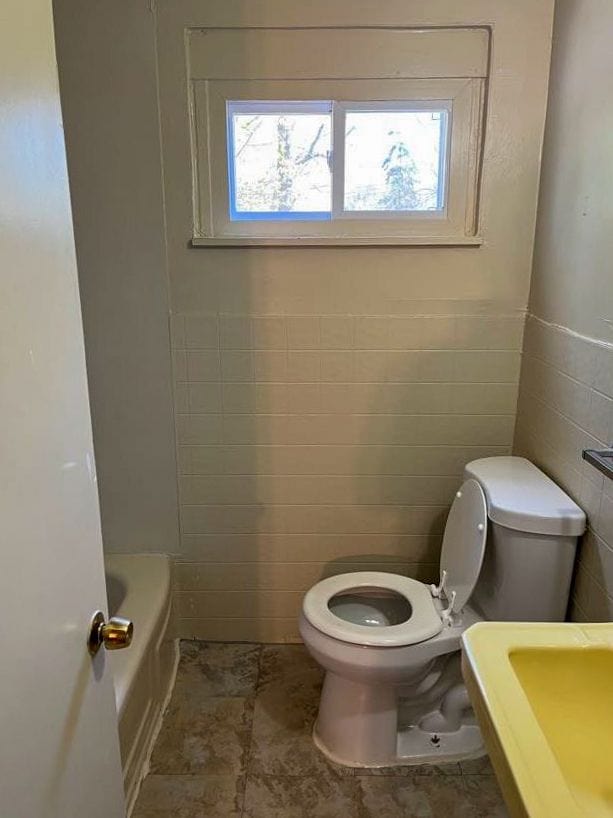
{"x": 279, "y": 163}
{"x": 394, "y": 160}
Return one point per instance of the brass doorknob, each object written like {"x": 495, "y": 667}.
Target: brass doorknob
{"x": 114, "y": 634}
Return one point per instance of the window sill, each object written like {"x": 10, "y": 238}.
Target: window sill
{"x": 340, "y": 241}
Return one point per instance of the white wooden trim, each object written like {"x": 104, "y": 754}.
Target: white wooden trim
{"x": 340, "y": 241}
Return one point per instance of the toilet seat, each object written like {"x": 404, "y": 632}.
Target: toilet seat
{"x": 461, "y": 559}
{"x": 425, "y": 620}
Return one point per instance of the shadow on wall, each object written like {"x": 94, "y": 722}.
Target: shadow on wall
{"x": 313, "y": 445}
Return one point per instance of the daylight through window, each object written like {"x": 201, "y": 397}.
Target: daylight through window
{"x": 326, "y": 160}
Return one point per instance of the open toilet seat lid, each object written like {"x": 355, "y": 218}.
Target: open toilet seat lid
{"x": 425, "y": 620}
{"x": 464, "y": 544}
{"x": 461, "y": 559}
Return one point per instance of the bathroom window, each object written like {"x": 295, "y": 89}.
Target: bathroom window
{"x": 326, "y": 160}
{"x": 337, "y": 136}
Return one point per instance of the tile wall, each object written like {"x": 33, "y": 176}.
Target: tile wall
{"x": 311, "y": 445}
{"x": 565, "y": 406}
{"x": 328, "y": 398}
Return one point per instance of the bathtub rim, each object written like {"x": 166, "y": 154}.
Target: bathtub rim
{"x": 147, "y": 603}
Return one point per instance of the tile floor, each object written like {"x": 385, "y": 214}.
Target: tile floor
{"x": 236, "y": 741}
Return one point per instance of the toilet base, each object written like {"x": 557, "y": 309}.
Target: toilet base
{"x": 414, "y": 746}
{"x": 366, "y": 724}
{"x": 418, "y": 747}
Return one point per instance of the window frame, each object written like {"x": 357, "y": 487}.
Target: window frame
{"x": 465, "y": 101}
{"x": 339, "y": 128}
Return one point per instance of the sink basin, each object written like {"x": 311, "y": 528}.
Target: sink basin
{"x": 571, "y": 694}
{"x": 543, "y": 694}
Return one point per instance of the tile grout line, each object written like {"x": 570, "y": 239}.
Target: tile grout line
{"x": 250, "y": 743}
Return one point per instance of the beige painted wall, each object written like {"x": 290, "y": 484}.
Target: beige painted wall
{"x": 327, "y": 399}
{"x": 566, "y": 401}
{"x": 106, "y": 54}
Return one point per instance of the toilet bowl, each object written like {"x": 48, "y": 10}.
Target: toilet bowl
{"x": 390, "y": 645}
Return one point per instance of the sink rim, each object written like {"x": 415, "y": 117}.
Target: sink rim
{"x": 529, "y": 757}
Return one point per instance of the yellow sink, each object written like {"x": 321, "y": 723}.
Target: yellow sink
{"x": 543, "y": 694}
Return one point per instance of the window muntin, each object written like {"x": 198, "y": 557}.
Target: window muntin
{"x": 389, "y": 159}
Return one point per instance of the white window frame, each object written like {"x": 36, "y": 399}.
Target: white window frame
{"x": 456, "y": 224}
{"x": 340, "y": 111}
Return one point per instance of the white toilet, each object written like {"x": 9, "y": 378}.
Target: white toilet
{"x": 390, "y": 645}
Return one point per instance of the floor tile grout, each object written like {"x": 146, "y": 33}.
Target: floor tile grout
{"x": 279, "y": 762}
{"x": 250, "y": 743}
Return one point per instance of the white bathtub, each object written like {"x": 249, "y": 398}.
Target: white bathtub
{"x": 139, "y": 588}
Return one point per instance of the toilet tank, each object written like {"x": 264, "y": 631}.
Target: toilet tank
{"x": 533, "y": 530}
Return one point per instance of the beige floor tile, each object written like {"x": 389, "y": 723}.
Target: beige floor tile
{"x": 449, "y": 768}
{"x": 485, "y": 795}
{"x": 406, "y": 771}
{"x": 285, "y": 709}
{"x": 286, "y": 664}
{"x": 239, "y": 726}
{"x": 477, "y": 766}
{"x": 321, "y": 796}
{"x": 442, "y": 796}
{"x": 187, "y": 796}
{"x": 203, "y": 735}
{"x": 378, "y": 772}
{"x": 219, "y": 669}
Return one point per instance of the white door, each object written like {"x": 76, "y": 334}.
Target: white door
{"x": 59, "y": 755}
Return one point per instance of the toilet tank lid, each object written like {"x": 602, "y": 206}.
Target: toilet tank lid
{"x": 520, "y": 496}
